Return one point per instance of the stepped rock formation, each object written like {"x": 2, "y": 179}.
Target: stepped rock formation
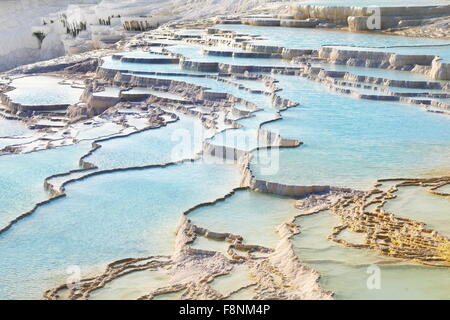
{"x": 359, "y": 17}
{"x": 52, "y": 28}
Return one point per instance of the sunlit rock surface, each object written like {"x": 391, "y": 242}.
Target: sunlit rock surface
{"x": 242, "y": 156}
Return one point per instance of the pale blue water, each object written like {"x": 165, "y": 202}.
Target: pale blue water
{"x": 251, "y": 215}
{"x": 103, "y": 130}
{"x": 311, "y": 38}
{"x": 92, "y": 228}
{"x": 351, "y": 142}
{"x": 418, "y": 204}
{"x": 176, "y": 141}
{"x": 15, "y": 141}
{"x": 346, "y": 270}
{"x": 245, "y": 138}
{"x": 442, "y": 100}
{"x": 9, "y": 128}
{"x": 109, "y": 63}
{"x": 22, "y": 177}
{"x": 43, "y": 90}
{"x": 374, "y": 72}
{"x": 260, "y": 117}
{"x": 348, "y": 142}
{"x": 442, "y": 51}
{"x": 194, "y": 53}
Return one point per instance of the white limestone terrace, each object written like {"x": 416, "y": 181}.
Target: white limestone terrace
{"x": 125, "y": 118}
{"x": 37, "y": 30}
{"x": 394, "y": 14}
{"x": 53, "y": 28}
{"x": 17, "y": 19}
{"x": 441, "y": 51}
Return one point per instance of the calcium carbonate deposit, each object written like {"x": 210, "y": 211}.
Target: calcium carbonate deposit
{"x": 224, "y": 150}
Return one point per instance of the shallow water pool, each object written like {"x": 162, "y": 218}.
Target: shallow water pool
{"x": 105, "y": 218}
{"x": 194, "y": 53}
{"x": 179, "y": 140}
{"x": 361, "y": 274}
{"x": 352, "y": 142}
{"x": 10, "y": 128}
{"x": 22, "y": 177}
{"x": 43, "y": 90}
{"x": 252, "y": 215}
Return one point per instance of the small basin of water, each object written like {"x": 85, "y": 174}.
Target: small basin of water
{"x": 177, "y": 141}
{"x": 374, "y": 72}
{"x": 113, "y": 64}
{"x": 10, "y": 128}
{"x": 252, "y": 215}
{"x": 43, "y": 90}
{"x": 361, "y": 274}
{"x": 103, "y": 219}
{"x": 227, "y": 284}
{"x": 417, "y": 204}
{"x": 194, "y": 53}
{"x": 22, "y": 177}
{"x": 131, "y": 286}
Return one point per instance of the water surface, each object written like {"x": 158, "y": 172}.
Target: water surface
{"x": 352, "y": 142}
{"x": 43, "y": 90}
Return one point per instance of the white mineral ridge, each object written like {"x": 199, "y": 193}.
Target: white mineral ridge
{"x": 17, "y": 17}
{"x": 20, "y": 18}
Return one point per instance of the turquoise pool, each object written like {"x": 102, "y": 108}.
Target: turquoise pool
{"x": 114, "y": 64}
{"x": 348, "y": 271}
{"x": 351, "y": 142}
{"x": 22, "y": 177}
{"x": 91, "y": 228}
{"x": 177, "y": 141}
{"x": 194, "y": 53}
{"x": 9, "y": 128}
{"x": 43, "y": 90}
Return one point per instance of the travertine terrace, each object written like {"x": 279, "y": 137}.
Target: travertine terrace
{"x": 242, "y": 103}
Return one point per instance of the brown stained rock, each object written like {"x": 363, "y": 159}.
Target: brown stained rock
{"x": 390, "y": 235}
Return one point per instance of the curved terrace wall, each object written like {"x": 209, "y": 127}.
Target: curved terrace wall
{"x": 428, "y": 65}
{"x": 25, "y": 109}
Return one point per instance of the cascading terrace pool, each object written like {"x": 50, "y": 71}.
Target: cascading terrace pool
{"x": 208, "y": 169}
